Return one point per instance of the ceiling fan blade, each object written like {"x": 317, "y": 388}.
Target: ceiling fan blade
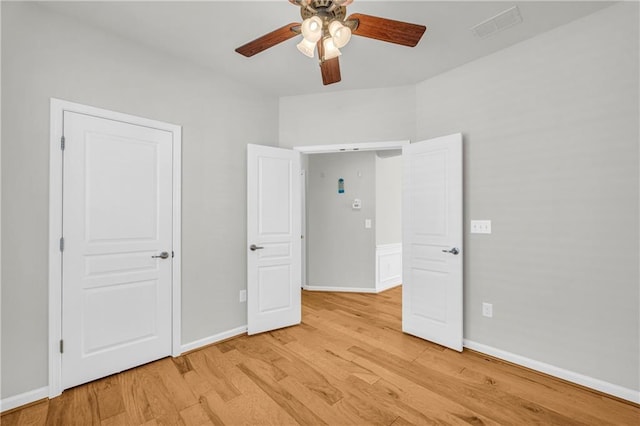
{"x": 387, "y": 30}
{"x": 269, "y": 40}
{"x": 330, "y": 68}
{"x": 330, "y": 71}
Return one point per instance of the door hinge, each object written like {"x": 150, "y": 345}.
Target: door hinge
{"x": 173, "y": 254}
{"x": 61, "y": 243}
{"x": 61, "y": 346}
{"x": 62, "y": 143}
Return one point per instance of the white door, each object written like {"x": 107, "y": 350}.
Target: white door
{"x": 432, "y": 240}
{"x": 273, "y": 238}
{"x": 117, "y": 221}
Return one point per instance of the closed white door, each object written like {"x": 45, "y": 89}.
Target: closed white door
{"x": 117, "y": 257}
{"x": 432, "y": 252}
{"x": 273, "y": 238}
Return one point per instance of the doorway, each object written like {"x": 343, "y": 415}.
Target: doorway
{"x": 353, "y": 211}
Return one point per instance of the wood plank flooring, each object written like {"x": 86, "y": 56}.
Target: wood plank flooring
{"x": 348, "y": 363}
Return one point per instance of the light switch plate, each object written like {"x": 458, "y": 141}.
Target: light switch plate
{"x": 480, "y": 226}
{"x": 367, "y": 223}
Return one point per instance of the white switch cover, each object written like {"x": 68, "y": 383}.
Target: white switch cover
{"x": 243, "y": 295}
{"x": 367, "y": 223}
{"x": 480, "y": 226}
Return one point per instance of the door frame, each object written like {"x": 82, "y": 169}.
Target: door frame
{"x": 303, "y": 225}
{"x": 361, "y": 146}
{"x": 57, "y": 108}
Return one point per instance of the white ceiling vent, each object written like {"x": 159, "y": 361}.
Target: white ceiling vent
{"x": 501, "y": 21}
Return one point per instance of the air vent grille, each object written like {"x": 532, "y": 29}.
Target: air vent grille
{"x": 501, "y": 21}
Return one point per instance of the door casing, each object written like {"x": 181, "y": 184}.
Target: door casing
{"x": 57, "y": 107}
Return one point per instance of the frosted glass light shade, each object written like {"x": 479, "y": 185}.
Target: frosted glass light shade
{"x": 312, "y": 29}
{"x": 343, "y": 2}
{"x": 330, "y": 49}
{"x": 306, "y": 47}
{"x": 340, "y": 34}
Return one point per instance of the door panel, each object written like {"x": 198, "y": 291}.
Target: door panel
{"x": 272, "y": 295}
{"x": 128, "y": 167}
{"x": 117, "y": 207}
{"x": 432, "y": 225}
{"x": 135, "y": 321}
{"x": 273, "y": 225}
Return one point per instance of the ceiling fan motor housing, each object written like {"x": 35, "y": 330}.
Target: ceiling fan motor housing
{"x": 325, "y": 9}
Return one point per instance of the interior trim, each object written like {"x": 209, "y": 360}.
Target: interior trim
{"x": 365, "y": 146}
{"x": 23, "y": 399}
{"x": 570, "y": 376}
{"x": 206, "y": 341}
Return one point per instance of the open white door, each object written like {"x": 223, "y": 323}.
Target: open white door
{"x": 432, "y": 240}
{"x": 273, "y": 238}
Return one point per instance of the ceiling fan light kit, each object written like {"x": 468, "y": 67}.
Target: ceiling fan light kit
{"x": 330, "y": 49}
{"x": 306, "y": 47}
{"x": 312, "y": 29}
{"x": 327, "y": 28}
{"x": 339, "y": 34}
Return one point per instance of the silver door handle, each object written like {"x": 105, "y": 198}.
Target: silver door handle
{"x": 254, "y": 247}
{"x": 162, "y": 255}
{"x": 453, "y": 251}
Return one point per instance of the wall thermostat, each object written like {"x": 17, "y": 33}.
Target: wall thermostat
{"x": 357, "y": 204}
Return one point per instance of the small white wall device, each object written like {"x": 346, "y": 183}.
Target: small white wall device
{"x": 357, "y": 204}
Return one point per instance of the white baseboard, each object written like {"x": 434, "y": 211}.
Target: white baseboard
{"x": 214, "y": 339}
{"x": 570, "y": 376}
{"x": 388, "y": 266}
{"x": 339, "y": 289}
{"x": 23, "y": 399}
{"x": 388, "y": 286}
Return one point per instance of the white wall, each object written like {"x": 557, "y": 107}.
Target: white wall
{"x": 45, "y": 55}
{"x": 376, "y": 115}
{"x": 388, "y": 200}
{"x": 551, "y": 157}
{"x": 341, "y": 252}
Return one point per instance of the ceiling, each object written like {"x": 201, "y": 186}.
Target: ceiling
{"x": 207, "y": 32}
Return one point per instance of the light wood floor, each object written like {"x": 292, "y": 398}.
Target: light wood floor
{"x": 348, "y": 363}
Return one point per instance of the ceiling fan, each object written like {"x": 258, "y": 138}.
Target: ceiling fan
{"x": 326, "y": 28}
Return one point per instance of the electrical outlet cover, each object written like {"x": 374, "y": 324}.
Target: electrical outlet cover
{"x": 487, "y": 310}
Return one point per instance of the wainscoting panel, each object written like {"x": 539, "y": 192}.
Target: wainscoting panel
{"x": 388, "y": 266}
